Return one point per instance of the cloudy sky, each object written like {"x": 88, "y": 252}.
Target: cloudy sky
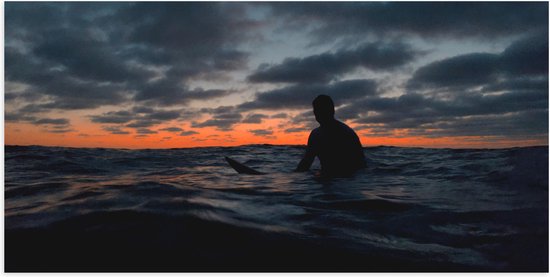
{"x": 150, "y": 75}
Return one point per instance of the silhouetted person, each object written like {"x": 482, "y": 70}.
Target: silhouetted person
{"x": 337, "y": 146}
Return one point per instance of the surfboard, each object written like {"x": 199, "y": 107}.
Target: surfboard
{"x": 241, "y": 168}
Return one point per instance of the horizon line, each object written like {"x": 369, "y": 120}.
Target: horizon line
{"x": 269, "y": 144}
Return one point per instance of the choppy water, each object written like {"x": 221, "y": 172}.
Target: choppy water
{"x": 412, "y": 209}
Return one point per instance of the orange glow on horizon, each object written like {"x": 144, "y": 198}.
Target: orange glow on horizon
{"x": 91, "y": 135}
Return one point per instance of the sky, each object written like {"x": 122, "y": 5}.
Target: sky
{"x": 189, "y": 74}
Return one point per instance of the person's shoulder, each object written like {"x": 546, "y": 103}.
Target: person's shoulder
{"x": 314, "y": 136}
{"x": 347, "y": 130}
{"x": 344, "y": 126}
{"x": 315, "y": 132}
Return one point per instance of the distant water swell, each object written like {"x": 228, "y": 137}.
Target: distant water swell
{"x": 412, "y": 209}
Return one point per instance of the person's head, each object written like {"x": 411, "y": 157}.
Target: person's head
{"x": 323, "y": 108}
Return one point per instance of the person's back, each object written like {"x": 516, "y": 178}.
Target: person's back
{"x": 337, "y": 145}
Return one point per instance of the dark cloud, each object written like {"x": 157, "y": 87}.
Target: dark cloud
{"x": 144, "y": 57}
{"x": 51, "y": 88}
{"x": 137, "y": 117}
{"x": 55, "y": 123}
{"x": 81, "y": 55}
{"x": 163, "y": 115}
{"x": 52, "y": 121}
{"x": 145, "y": 131}
{"x": 143, "y": 123}
{"x": 414, "y": 106}
{"x": 521, "y": 124}
{"x": 222, "y": 124}
{"x": 32, "y": 108}
{"x": 438, "y": 116}
{"x": 524, "y": 58}
{"x": 142, "y": 110}
{"x": 87, "y": 55}
{"x": 296, "y": 130}
{"x": 279, "y": 115}
{"x": 503, "y": 95}
{"x": 58, "y": 90}
{"x": 426, "y": 19}
{"x": 22, "y": 96}
{"x": 328, "y": 66}
{"x": 168, "y": 92}
{"x": 172, "y": 129}
{"x": 464, "y": 70}
{"x": 300, "y": 96}
{"x": 261, "y": 132}
{"x": 518, "y": 84}
{"x": 174, "y": 25}
{"x": 304, "y": 119}
{"x": 113, "y": 117}
{"x": 57, "y": 129}
{"x": 219, "y": 110}
{"x": 115, "y": 130}
{"x": 18, "y": 117}
{"x": 528, "y": 56}
{"x": 223, "y": 118}
{"x": 188, "y": 133}
{"x": 254, "y": 118}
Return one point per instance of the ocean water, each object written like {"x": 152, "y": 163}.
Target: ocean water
{"x": 412, "y": 209}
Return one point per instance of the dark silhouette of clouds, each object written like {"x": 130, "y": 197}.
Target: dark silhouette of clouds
{"x": 328, "y": 66}
{"x": 84, "y": 57}
{"x": 467, "y": 70}
{"x": 425, "y": 19}
{"x": 59, "y": 131}
{"x": 137, "y": 117}
{"x": 520, "y": 125}
{"x": 261, "y": 132}
{"x": 222, "y": 124}
{"x": 50, "y": 88}
{"x": 254, "y": 118}
{"x": 280, "y": 115}
{"x": 88, "y": 55}
{"x": 223, "y": 118}
{"x": 145, "y": 131}
{"x": 527, "y": 57}
{"x": 473, "y": 94}
{"x": 296, "y": 130}
{"x": 171, "y": 92}
{"x": 188, "y": 133}
{"x": 300, "y": 96}
{"x": 143, "y": 123}
{"x": 17, "y": 117}
{"x": 423, "y": 113}
{"x": 53, "y": 121}
{"x": 518, "y": 84}
{"x": 115, "y": 130}
{"x": 172, "y": 129}
{"x": 113, "y": 117}
{"x": 147, "y": 56}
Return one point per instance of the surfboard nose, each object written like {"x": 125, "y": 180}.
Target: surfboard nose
{"x": 241, "y": 168}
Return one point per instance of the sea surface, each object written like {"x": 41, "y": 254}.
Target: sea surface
{"x": 412, "y": 209}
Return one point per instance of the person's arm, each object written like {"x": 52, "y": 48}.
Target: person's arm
{"x": 306, "y": 162}
{"x": 361, "y": 163}
{"x": 308, "y": 158}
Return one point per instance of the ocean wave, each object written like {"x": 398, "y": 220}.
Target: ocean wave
{"x": 416, "y": 208}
